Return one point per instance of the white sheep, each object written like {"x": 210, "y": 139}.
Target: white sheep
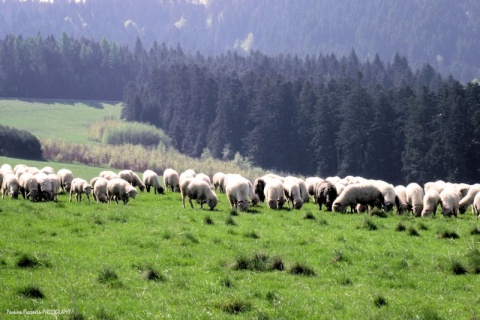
{"x": 189, "y": 173}
{"x": 150, "y": 179}
{"x": 171, "y": 180}
{"x": 219, "y": 182}
{"x": 468, "y": 199}
{"x": 10, "y": 185}
{"x": 65, "y": 176}
{"x": 237, "y": 189}
{"x": 310, "y": 183}
{"x": 476, "y": 205}
{"x": 132, "y": 178}
{"x": 6, "y": 168}
{"x": 100, "y": 189}
{"x": 204, "y": 177}
{"x": 79, "y": 187}
{"x": 29, "y": 187}
{"x": 340, "y": 187}
{"x": 259, "y": 184}
{"x": 388, "y": 192}
{"x": 44, "y": 185}
{"x": 438, "y": 185}
{"x": 414, "y": 196}
{"x": 183, "y": 186}
{"x": 364, "y": 193}
{"x": 450, "y": 199}
{"x": 292, "y": 192}
{"x": 55, "y": 185}
{"x": 107, "y": 174}
{"x": 430, "y": 202}
{"x": 48, "y": 170}
{"x": 401, "y": 199}
{"x": 200, "y": 190}
{"x": 118, "y": 188}
{"x": 274, "y": 193}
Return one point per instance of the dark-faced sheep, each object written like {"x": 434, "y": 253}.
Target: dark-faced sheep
{"x": 132, "y": 178}
{"x": 468, "y": 199}
{"x": 237, "y": 190}
{"x": 65, "y": 177}
{"x": 414, "y": 195}
{"x": 201, "y": 191}
{"x": 150, "y": 179}
{"x": 363, "y": 193}
{"x": 325, "y": 193}
{"x": 171, "y": 179}
{"x": 119, "y": 189}
{"x": 274, "y": 193}
{"x": 292, "y": 192}
{"x": 431, "y": 200}
{"x": 10, "y": 186}
{"x": 100, "y": 189}
{"x": 79, "y": 187}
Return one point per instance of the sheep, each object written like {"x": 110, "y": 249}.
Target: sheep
{"x": 325, "y": 193}
{"x": 189, "y": 173}
{"x": 65, "y": 176}
{"x": 29, "y": 187}
{"x": 259, "y": 184}
{"x": 44, "y": 185}
{"x": 150, "y": 179}
{"x": 171, "y": 180}
{"x": 5, "y": 169}
{"x": 292, "y": 193}
{"x": 107, "y": 174}
{"x": 476, "y": 205}
{"x": 184, "y": 187}
{"x": 19, "y": 169}
{"x": 431, "y": 200}
{"x": 364, "y": 193}
{"x": 204, "y": 177}
{"x": 468, "y": 199}
{"x": 33, "y": 170}
{"x": 303, "y": 190}
{"x": 414, "y": 196}
{"x": 100, "y": 189}
{"x": 388, "y": 192}
{"x": 237, "y": 189}
{"x": 219, "y": 182}
{"x": 10, "y": 185}
{"x": 401, "y": 199}
{"x": 55, "y": 185}
{"x": 118, "y": 188}
{"x": 438, "y": 185}
{"x": 132, "y": 178}
{"x": 200, "y": 190}
{"x": 47, "y": 170}
{"x": 80, "y": 186}
{"x": 450, "y": 199}
{"x": 340, "y": 187}
{"x": 274, "y": 193}
{"x": 310, "y": 183}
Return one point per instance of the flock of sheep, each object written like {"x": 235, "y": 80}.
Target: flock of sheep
{"x": 357, "y": 193}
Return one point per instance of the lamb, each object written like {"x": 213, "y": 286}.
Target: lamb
{"x": 100, "y": 189}
{"x": 364, "y": 193}
{"x": 219, "y": 181}
{"x": 237, "y": 189}
{"x": 200, "y": 190}
{"x": 150, "y": 179}
{"x": 274, "y": 193}
{"x": 414, "y": 196}
{"x": 430, "y": 202}
{"x": 476, "y": 205}
{"x": 118, "y": 188}
{"x": 325, "y": 193}
{"x": 401, "y": 199}
{"x": 80, "y": 186}
{"x": 468, "y": 200}
{"x": 65, "y": 176}
{"x": 44, "y": 186}
{"x": 171, "y": 180}
{"x": 449, "y": 199}
{"x": 10, "y": 185}
{"x": 29, "y": 187}
{"x": 292, "y": 193}
{"x": 132, "y": 178}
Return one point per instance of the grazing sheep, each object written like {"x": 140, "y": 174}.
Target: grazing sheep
{"x": 252, "y": 195}
{"x": 65, "y": 176}
{"x": 219, "y": 181}
{"x": 340, "y": 187}
{"x": 118, "y": 188}
{"x": 414, "y": 196}
{"x": 171, "y": 180}
{"x": 132, "y": 178}
{"x": 310, "y": 183}
{"x": 237, "y": 189}
{"x": 55, "y": 185}
{"x": 401, "y": 199}
{"x": 438, "y": 185}
{"x": 47, "y": 170}
{"x": 292, "y": 192}
{"x": 10, "y": 185}
{"x": 107, "y": 174}
{"x": 468, "y": 199}
{"x": 44, "y": 186}
{"x": 364, "y": 193}
{"x": 100, "y": 189}
{"x": 200, "y": 190}
{"x": 450, "y": 199}
{"x": 5, "y": 169}
{"x": 189, "y": 173}
{"x": 19, "y": 169}
{"x": 388, "y": 192}
{"x": 476, "y": 205}
{"x": 259, "y": 184}
{"x": 80, "y": 186}
{"x": 184, "y": 183}
{"x": 150, "y": 179}
{"x": 430, "y": 202}
{"x": 29, "y": 187}
{"x": 325, "y": 193}
{"x": 274, "y": 193}
{"x": 204, "y": 177}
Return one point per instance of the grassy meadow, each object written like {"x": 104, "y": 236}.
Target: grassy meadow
{"x": 154, "y": 259}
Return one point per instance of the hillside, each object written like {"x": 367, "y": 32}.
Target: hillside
{"x": 443, "y": 33}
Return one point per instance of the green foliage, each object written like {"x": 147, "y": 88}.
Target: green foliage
{"x": 19, "y": 144}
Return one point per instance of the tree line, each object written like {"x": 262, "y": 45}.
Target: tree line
{"x": 322, "y": 114}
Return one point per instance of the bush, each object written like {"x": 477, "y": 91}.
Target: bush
{"x": 22, "y": 144}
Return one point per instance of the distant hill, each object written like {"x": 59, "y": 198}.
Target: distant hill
{"x": 443, "y": 33}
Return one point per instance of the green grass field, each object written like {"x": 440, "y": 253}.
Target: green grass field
{"x": 154, "y": 259}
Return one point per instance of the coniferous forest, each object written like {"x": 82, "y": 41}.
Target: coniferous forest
{"x": 322, "y": 115}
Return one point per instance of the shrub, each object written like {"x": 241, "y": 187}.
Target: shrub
{"x": 19, "y": 144}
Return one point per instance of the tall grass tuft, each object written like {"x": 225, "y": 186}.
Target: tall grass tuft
{"x": 380, "y": 301}
{"x": 259, "y": 261}
{"x": 368, "y": 224}
{"x": 413, "y": 232}
{"x": 236, "y": 306}
{"x": 31, "y": 291}
{"x": 400, "y": 227}
{"x": 457, "y": 267}
{"x": 301, "y": 269}
{"x": 109, "y": 276}
{"x": 473, "y": 258}
{"x": 447, "y": 234}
